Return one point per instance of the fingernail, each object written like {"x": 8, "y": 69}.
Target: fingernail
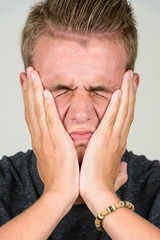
{"x": 131, "y": 75}
{"x": 28, "y": 72}
{"x": 45, "y": 94}
{"x": 32, "y": 76}
{"x": 119, "y": 93}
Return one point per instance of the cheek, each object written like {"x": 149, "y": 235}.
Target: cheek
{"x": 100, "y": 106}
{"x": 63, "y": 103}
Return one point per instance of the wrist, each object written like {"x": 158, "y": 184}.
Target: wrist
{"x": 61, "y": 201}
{"x": 68, "y": 196}
{"x": 99, "y": 201}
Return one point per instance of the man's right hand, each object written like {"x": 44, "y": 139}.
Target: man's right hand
{"x": 57, "y": 165}
{"x": 56, "y": 155}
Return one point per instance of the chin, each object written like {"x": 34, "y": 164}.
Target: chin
{"x": 80, "y": 153}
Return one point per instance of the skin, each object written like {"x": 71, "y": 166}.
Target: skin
{"x": 91, "y": 74}
{"x": 65, "y": 62}
{"x": 70, "y": 165}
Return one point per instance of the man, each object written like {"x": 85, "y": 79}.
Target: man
{"x": 79, "y": 93}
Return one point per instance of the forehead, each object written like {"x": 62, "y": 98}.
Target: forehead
{"x": 56, "y": 59}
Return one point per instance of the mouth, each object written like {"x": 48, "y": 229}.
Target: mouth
{"x": 81, "y": 135}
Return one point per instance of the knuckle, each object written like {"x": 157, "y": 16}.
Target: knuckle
{"x": 125, "y": 111}
{"x": 132, "y": 117}
{"x": 49, "y": 120}
{"x": 111, "y": 119}
{"x": 115, "y": 133}
{"x": 28, "y": 110}
{"x": 27, "y": 113}
{"x": 48, "y": 106}
{"x": 38, "y": 111}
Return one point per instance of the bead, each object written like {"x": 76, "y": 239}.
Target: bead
{"x": 97, "y": 222}
{"x": 100, "y": 217}
{"x": 125, "y": 203}
{"x": 104, "y": 212}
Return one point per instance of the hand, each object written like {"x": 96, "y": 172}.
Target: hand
{"x": 102, "y": 170}
{"x": 56, "y": 155}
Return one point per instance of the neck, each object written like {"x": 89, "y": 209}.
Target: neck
{"x": 79, "y": 201}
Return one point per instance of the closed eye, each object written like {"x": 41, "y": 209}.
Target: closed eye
{"x": 62, "y": 91}
{"x": 101, "y": 94}
{"x": 101, "y": 91}
{"x": 59, "y": 90}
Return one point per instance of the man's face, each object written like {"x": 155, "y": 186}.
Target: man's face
{"x": 82, "y": 80}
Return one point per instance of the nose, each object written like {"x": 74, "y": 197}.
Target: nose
{"x": 81, "y": 108}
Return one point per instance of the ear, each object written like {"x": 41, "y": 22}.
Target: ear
{"x": 22, "y": 78}
{"x": 136, "y": 79}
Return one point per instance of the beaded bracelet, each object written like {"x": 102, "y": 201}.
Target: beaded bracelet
{"x": 100, "y": 217}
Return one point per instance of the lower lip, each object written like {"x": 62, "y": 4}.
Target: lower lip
{"x": 77, "y": 136}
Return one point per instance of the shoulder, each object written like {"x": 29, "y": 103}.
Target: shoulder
{"x": 143, "y": 176}
{"x": 18, "y": 159}
{"x": 15, "y": 166}
{"x": 20, "y": 185}
{"x": 141, "y": 166}
{"x": 143, "y": 186}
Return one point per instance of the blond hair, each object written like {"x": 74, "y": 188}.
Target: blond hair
{"x": 81, "y": 19}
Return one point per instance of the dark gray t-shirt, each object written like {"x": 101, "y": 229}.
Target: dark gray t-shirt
{"x": 21, "y": 186}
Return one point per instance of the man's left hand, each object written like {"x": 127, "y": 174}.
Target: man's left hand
{"x": 102, "y": 172}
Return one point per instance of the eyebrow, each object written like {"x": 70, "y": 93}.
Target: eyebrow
{"x": 101, "y": 88}
{"x": 59, "y": 87}
{"x": 70, "y": 87}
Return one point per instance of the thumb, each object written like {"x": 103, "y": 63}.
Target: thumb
{"x": 122, "y": 176}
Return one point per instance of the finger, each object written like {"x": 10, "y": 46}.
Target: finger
{"x": 130, "y": 115}
{"x": 122, "y": 176}
{"x": 124, "y": 105}
{"x": 107, "y": 123}
{"x": 53, "y": 121}
{"x": 39, "y": 109}
{"x": 23, "y": 77}
{"x": 30, "y": 115}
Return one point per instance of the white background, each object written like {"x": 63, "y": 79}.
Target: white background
{"x": 144, "y": 136}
